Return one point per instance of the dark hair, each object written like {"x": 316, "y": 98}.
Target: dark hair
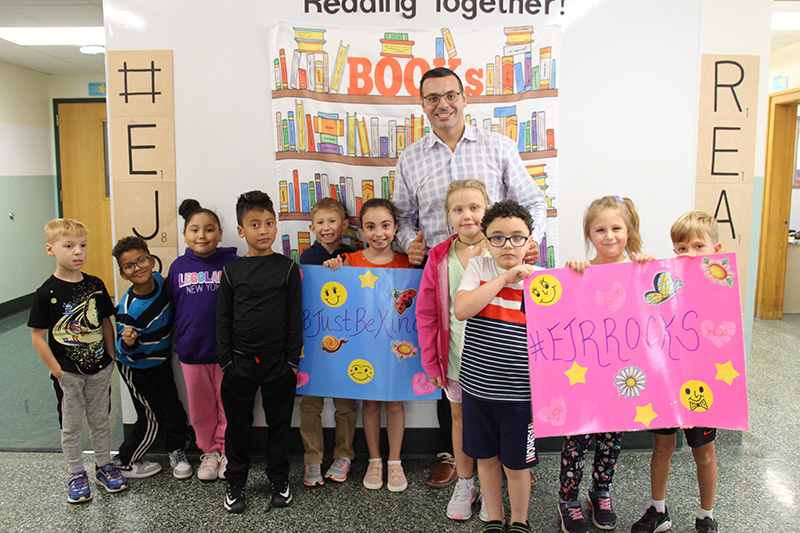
{"x": 439, "y": 72}
{"x": 374, "y": 203}
{"x": 252, "y": 200}
{"x": 191, "y": 207}
{"x": 126, "y": 244}
{"x": 506, "y": 209}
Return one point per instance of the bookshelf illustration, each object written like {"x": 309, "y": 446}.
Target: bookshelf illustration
{"x": 297, "y": 196}
{"x": 539, "y": 176}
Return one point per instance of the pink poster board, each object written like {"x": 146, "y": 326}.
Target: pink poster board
{"x": 633, "y": 347}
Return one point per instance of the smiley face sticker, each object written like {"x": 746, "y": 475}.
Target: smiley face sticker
{"x": 361, "y": 371}
{"x": 545, "y": 290}
{"x": 696, "y": 396}
{"x": 333, "y": 294}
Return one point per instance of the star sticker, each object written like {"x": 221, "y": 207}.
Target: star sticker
{"x": 302, "y": 352}
{"x": 645, "y": 414}
{"x": 101, "y": 88}
{"x": 368, "y": 280}
{"x": 726, "y": 373}
{"x": 576, "y": 374}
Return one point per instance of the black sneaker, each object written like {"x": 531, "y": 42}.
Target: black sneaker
{"x": 234, "y": 498}
{"x": 572, "y": 519}
{"x": 494, "y": 526}
{"x": 281, "y": 495}
{"x": 706, "y": 525}
{"x": 518, "y": 527}
{"x": 653, "y": 522}
{"x": 603, "y": 515}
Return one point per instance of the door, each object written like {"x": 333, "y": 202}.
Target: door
{"x": 83, "y": 179}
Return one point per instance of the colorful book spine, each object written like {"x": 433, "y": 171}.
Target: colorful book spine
{"x": 508, "y": 75}
{"x": 284, "y": 80}
{"x": 498, "y": 75}
{"x": 287, "y": 246}
{"x": 285, "y": 125}
{"x": 303, "y": 241}
{"x": 296, "y": 191}
{"x": 283, "y": 196}
{"x": 294, "y": 71}
{"x": 325, "y": 185}
{"x": 541, "y": 142}
{"x": 338, "y": 67}
{"x": 303, "y": 77}
{"x": 326, "y": 86}
{"x": 367, "y": 189}
{"x": 310, "y": 134}
{"x": 551, "y": 139}
{"x": 392, "y": 139}
{"x": 292, "y": 133}
{"x": 312, "y": 195}
{"x": 553, "y": 74}
{"x": 401, "y": 139}
{"x": 505, "y": 111}
{"x": 534, "y": 133}
{"x": 449, "y": 43}
{"x": 305, "y": 198}
{"x": 343, "y": 192}
{"x": 490, "y": 79}
{"x": 276, "y": 73}
{"x": 391, "y": 184}
{"x": 384, "y": 150}
{"x": 295, "y": 256}
{"x": 385, "y": 187}
{"x": 279, "y": 132}
{"x": 362, "y": 137}
{"x": 292, "y": 205}
{"x": 439, "y": 48}
{"x": 535, "y": 78}
{"x": 374, "y": 137}
{"x": 418, "y": 122}
{"x": 318, "y": 186}
{"x": 527, "y": 70}
{"x": 351, "y": 134}
{"x": 351, "y": 195}
{"x": 319, "y": 76}
{"x": 544, "y": 67}
{"x": 312, "y": 81}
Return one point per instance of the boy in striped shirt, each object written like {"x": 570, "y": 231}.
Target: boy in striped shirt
{"x": 144, "y": 346}
{"x": 498, "y": 424}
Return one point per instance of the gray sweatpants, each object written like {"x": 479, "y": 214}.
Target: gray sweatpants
{"x": 85, "y": 394}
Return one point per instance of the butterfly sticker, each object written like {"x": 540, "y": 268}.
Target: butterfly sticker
{"x": 403, "y": 300}
{"x": 665, "y": 288}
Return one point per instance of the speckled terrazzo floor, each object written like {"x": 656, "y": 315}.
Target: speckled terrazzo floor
{"x": 758, "y": 487}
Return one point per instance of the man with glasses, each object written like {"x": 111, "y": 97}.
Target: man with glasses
{"x": 454, "y": 150}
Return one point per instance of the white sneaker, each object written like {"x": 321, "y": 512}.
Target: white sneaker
{"x": 138, "y": 469}
{"x": 181, "y": 468}
{"x": 209, "y": 466}
{"x": 460, "y": 506}
{"x": 223, "y": 466}
{"x": 484, "y": 513}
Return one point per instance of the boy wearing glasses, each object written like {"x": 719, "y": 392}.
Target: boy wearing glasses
{"x": 494, "y": 378}
{"x": 144, "y": 345}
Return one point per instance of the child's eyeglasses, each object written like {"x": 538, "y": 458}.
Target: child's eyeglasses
{"x": 517, "y": 241}
{"x": 142, "y": 262}
{"x": 433, "y": 99}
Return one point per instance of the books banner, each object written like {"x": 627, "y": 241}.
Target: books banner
{"x": 632, "y": 347}
{"x": 346, "y": 105}
{"x": 360, "y": 335}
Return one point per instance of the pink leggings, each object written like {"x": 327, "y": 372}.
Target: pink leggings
{"x": 205, "y": 406}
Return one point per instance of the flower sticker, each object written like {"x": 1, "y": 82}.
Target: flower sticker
{"x": 630, "y": 382}
{"x": 403, "y": 349}
{"x": 718, "y": 271}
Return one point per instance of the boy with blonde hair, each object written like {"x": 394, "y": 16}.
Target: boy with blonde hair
{"x": 328, "y": 220}
{"x": 694, "y": 233}
{"x": 73, "y": 334}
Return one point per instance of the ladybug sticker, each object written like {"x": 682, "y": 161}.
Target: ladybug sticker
{"x": 403, "y": 300}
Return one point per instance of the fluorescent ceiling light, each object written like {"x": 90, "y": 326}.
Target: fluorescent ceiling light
{"x": 92, "y": 49}
{"x": 49, "y": 36}
{"x": 786, "y": 21}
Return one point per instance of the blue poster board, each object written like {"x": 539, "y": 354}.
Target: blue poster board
{"x": 360, "y": 335}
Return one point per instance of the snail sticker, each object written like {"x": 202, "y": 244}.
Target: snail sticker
{"x": 331, "y": 344}
{"x": 403, "y": 300}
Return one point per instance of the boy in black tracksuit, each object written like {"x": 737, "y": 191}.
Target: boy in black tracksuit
{"x": 259, "y": 340}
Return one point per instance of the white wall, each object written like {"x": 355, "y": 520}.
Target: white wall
{"x": 628, "y": 96}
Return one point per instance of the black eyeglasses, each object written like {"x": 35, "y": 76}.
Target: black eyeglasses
{"x": 142, "y": 262}
{"x": 450, "y": 97}
{"x": 517, "y": 241}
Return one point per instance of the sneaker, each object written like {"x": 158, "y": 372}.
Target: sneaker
{"x": 494, "y": 526}
{"x": 339, "y": 470}
{"x": 281, "y": 496}
{"x": 572, "y": 519}
{"x": 137, "y": 469}
{"x": 234, "y": 498}
{"x": 373, "y": 479}
{"x": 181, "y": 468}
{"x": 209, "y": 466}
{"x": 603, "y": 515}
{"x": 110, "y": 478}
{"x": 653, "y": 522}
{"x": 223, "y": 466}
{"x": 79, "y": 490}
{"x": 518, "y": 527}
{"x": 484, "y": 513}
{"x": 460, "y": 506}
{"x": 706, "y": 525}
{"x": 397, "y": 479}
{"x": 313, "y": 475}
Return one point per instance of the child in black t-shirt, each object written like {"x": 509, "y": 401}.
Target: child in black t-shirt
{"x": 72, "y": 333}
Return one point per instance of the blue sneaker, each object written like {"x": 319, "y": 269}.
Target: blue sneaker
{"x": 108, "y": 477}
{"x": 79, "y": 490}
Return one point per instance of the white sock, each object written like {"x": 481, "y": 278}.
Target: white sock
{"x": 660, "y": 505}
{"x": 393, "y": 462}
{"x": 705, "y": 514}
{"x": 376, "y": 460}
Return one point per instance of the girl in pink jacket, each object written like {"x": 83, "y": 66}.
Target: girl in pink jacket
{"x": 440, "y": 333}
